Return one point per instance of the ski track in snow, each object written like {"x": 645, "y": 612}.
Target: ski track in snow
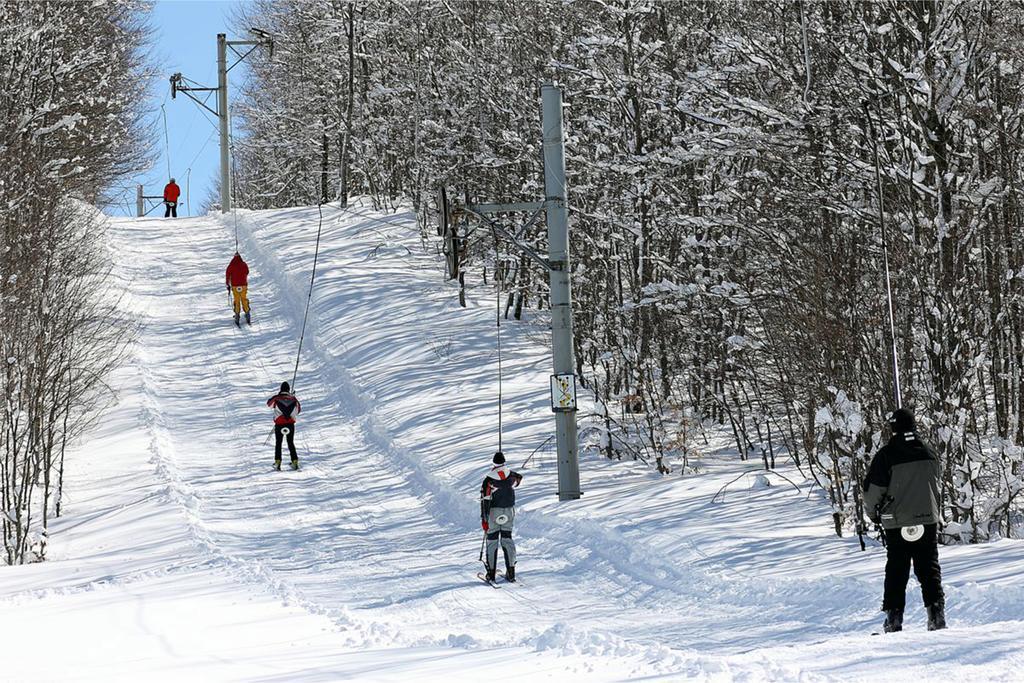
{"x": 377, "y": 533}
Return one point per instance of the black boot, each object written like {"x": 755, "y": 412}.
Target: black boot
{"x": 248, "y": 320}
{"x": 490, "y": 573}
{"x": 936, "y": 616}
{"x": 893, "y": 621}
{"x": 510, "y": 574}
{"x": 236, "y": 321}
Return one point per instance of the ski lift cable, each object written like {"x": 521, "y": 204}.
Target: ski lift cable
{"x": 201, "y": 150}
{"x": 498, "y": 279}
{"x": 188, "y": 130}
{"x": 897, "y": 389}
{"x": 167, "y": 141}
{"x": 195, "y": 112}
{"x": 234, "y": 180}
{"x": 309, "y": 296}
{"x": 312, "y": 280}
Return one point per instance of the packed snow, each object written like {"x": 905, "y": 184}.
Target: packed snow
{"x": 182, "y": 555}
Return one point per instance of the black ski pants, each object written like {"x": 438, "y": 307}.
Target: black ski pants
{"x": 924, "y": 555}
{"x": 279, "y": 435}
{"x": 172, "y": 209}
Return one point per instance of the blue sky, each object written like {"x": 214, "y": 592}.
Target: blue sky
{"x": 185, "y": 40}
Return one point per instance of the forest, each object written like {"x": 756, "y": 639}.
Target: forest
{"x": 738, "y": 175}
{"x": 70, "y": 128}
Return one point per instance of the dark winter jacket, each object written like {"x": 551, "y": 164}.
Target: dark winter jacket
{"x": 237, "y": 272}
{"x": 498, "y": 489}
{"x": 902, "y": 486}
{"x": 286, "y": 407}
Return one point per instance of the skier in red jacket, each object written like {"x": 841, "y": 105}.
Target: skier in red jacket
{"x": 171, "y": 194}
{"x": 236, "y": 277}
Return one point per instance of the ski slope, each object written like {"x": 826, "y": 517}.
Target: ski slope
{"x": 183, "y": 555}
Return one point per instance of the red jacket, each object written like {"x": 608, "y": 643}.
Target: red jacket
{"x": 172, "y": 192}
{"x": 237, "y": 273}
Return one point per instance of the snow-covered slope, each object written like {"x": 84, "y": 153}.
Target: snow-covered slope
{"x": 183, "y": 555}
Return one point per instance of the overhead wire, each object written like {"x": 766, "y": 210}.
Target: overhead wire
{"x": 897, "y": 389}
{"x": 167, "y": 142}
{"x": 232, "y": 191}
{"x": 192, "y": 121}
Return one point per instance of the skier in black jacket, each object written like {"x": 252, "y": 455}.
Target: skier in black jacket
{"x": 497, "y": 513}
{"x": 286, "y": 407}
{"x": 901, "y": 492}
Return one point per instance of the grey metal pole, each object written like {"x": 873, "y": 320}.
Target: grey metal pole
{"x": 140, "y": 206}
{"x": 225, "y": 123}
{"x": 561, "y": 293}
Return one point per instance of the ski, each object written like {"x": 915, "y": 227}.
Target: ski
{"x": 517, "y": 582}
{"x": 492, "y": 584}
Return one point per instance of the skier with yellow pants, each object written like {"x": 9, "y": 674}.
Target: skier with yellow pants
{"x": 236, "y": 277}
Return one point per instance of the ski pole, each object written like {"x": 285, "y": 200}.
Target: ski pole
{"x": 482, "y": 542}
{"x": 267, "y": 440}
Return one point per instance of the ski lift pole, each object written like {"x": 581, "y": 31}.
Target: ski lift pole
{"x": 179, "y": 84}
{"x": 554, "y": 208}
{"x": 897, "y": 392}
{"x": 561, "y": 292}
{"x": 223, "y": 122}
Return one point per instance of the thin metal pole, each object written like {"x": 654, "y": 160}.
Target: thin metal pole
{"x": 140, "y": 205}
{"x": 224, "y": 121}
{"x": 897, "y": 392}
{"x": 561, "y": 293}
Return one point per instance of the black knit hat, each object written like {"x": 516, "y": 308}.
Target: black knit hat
{"x": 902, "y": 421}
{"x": 499, "y": 458}
{"x": 285, "y": 387}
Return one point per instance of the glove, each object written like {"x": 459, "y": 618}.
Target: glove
{"x": 483, "y": 524}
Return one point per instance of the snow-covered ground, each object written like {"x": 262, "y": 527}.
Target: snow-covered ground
{"x": 183, "y": 556}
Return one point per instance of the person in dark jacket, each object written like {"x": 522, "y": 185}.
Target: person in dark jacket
{"x": 236, "y": 277}
{"x": 171, "y": 194}
{"x": 286, "y": 407}
{"x": 901, "y": 492}
{"x": 497, "y": 513}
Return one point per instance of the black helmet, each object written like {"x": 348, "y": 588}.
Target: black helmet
{"x": 902, "y": 421}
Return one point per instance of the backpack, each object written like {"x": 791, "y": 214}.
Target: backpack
{"x": 285, "y": 405}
